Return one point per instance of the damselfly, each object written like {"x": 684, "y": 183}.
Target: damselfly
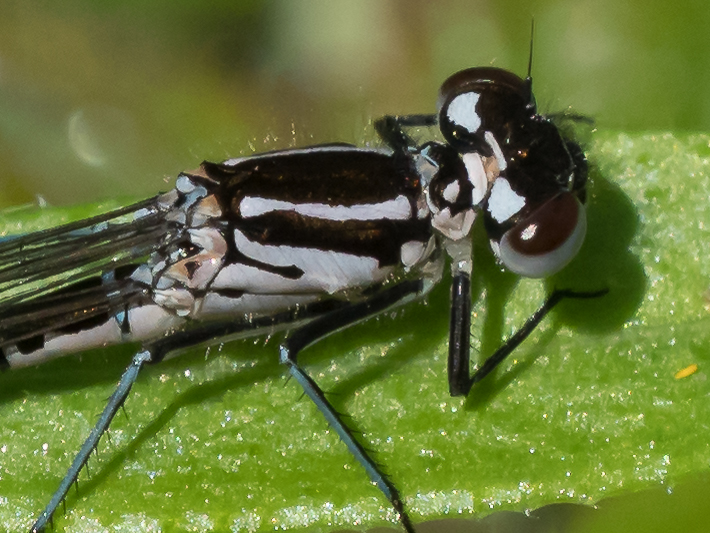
{"x": 307, "y": 240}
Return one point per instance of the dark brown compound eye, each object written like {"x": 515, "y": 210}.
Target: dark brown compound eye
{"x": 547, "y": 240}
{"x": 479, "y": 79}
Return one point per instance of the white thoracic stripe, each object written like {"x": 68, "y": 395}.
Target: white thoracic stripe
{"x": 396, "y": 209}
{"x": 323, "y": 270}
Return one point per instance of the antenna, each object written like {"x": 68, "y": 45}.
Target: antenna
{"x": 528, "y": 81}
{"x": 532, "y": 33}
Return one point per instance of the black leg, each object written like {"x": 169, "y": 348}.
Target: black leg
{"x": 459, "y": 335}
{"x": 460, "y": 380}
{"x": 327, "y": 317}
{"x": 114, "y": 403}
{"x": 390, "y": 128}
{"x": 315, "y": 331}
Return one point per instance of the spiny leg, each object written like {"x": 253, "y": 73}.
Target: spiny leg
{"x": 114, "y": 403}
{"x": 460, "y": 379}
{"x": 154, "y": 353}
{"x": 317, "y": 330}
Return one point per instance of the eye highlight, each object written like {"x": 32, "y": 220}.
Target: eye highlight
{"x": 546, "y": 240}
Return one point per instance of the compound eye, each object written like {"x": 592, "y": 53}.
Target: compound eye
{"x": 548, "y": 239}
{"x": 479, "y": 79}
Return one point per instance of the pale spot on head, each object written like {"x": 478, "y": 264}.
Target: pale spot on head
{"x": 451, "y": 192}
{"x": 462, "y": 111}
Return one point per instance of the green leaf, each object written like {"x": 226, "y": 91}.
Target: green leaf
{"x": 586, "y": 409}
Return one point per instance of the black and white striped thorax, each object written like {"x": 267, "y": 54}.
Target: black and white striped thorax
{"x": 292, "y": 227}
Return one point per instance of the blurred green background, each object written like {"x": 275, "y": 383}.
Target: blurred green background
{"x": 116, "y": 97}
{"x": 112, "y": 99}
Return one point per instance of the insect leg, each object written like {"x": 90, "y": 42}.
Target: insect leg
{"x": 458, "y": 361}
{"x": 319, "y": 329}
{"x": 390, "y": 128}
{"x": 114, "y": 403}
{"x": 459, "y": 335}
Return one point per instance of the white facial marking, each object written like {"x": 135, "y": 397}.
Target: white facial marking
{"x": 462, "y": 111}
{"x": 503, "y": 202}
{"x": 397, "y": 209}
{"x": 451, "y": 192}
{"x": 476, "y": 175}
{"x": 491, "y": 140}
{"x": 323, "y": 270}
